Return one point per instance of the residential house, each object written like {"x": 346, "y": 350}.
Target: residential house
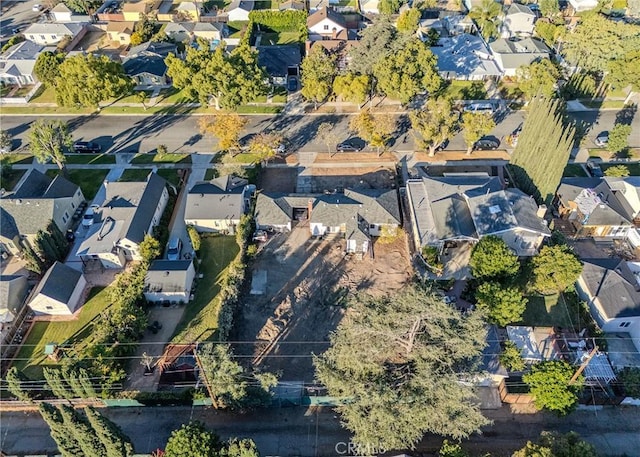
{"x": 326, "y": 23}
{"x": 48, "y": 33}
{"x": 238, "y": 10}
{"x": 536, "y": 344}
{"x": 38, "y": 201}
{"x": 130, "y": 211}
{"x": 463, "y": 209}
{"x": 60, "y": 291}
{"x": 135, "y": 10}
{"x": 280, "y": 212}
{"x": 120, "y": 32}
{"x": 13, "y": 291}
{"x": 613, "y": 296}
{"x": 146, "y": 63}
{"x": 340, "y": 47}
{"x": 583, "y": 5}
{"x": 459, "y": 24}
{"x": 279, "y": 62}
{"x": 112, "y": 11}
{"x": 61, "y": 13}
{"x": 369, "y": 6}
{"x": 17, "y": 62}
{"x": 296, "y": 5}
{"x": 217, "y": 205}
{"x": 184, "y": 32}
{"x": 190, "y": 11}
{"x": 518, "y": 21}
{"x": 511, "y": 55}
{"x": 169, "y": 280}
{"x": 604, "y": 209}
{"x": 465, "y": 57}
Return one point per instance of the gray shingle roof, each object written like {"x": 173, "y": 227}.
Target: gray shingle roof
{"x": 221, "y": 198}
{"x": 59, "y": 282}
{"x": 152, "y": 47}
{"x": 154, "y": 65}
{"x": 517, "y": 8}
{"x": 570, "y": 188}
{"x": 247, "y": 5}
{"x": 13, "y": 290}
{"x": 617, "y": 296}
{"x": 33, "y": 186}
{"x": 169, "y": 265}
{"x": 277, "y": 59}
{"x": 273, "y": 208}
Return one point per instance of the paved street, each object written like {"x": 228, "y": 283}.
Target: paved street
{"x": 17, "y": 14}
{"x": 311, "y": 432}
{"x": 180, "y": 133}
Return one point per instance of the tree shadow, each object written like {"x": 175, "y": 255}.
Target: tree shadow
{"x": 626, "y": 116}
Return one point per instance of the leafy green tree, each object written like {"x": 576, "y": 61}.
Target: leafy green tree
{"x": 580, "y": 85}
{"x": 474, "y": 127}
{"x": 193, "y": 440}
{"x": 194, "y": 236}
{"x": 390, "y": 358}
{"x": 264, "y": 145}
{"x": 48, "y": 139}
{"x": 351, "y": 87}
{"x": 116, "y": 444}
{"x": 47, "y": 67}
{"x": 5, "y": 141}
{"x": 550, "y": 32}
{"x": 555, "y": 269}
{"x": 56, "y": 383}
{"x": 623, "y": 71}
{"x": 539, "y": 160}
{"x": 143, "y": 30}
{"x": 451, "y": 450}
{"x": 408, "y": 72}
{"x": 619, "y": 138}
{"x": 141, "y": 97}
{"x": 83, "y": 6}
{"x": 226, "y": 128}
{"x": 84, "y": 435}
{"x": 537, "y": 78}
{"x": 549, "y": 384}
{"x": 630, "y": 378}
{"x": 224, "y": 376}
{"x": 567, "y": 445}
{"x": 240, "y": 448}
{"x": 435, "y": 124}
{"x": 150, "y": 249}
{"x": 511, "y": 357}
{"x": 502, "y": 304}
{"x": 87, "y": 385}
{"x": 326, "y": 135}
{"x": 389, "y": 6}
{"x": 318, "y": 71}
{"x": 13, "y": 41}
{"x": 65, "y": 440}
{"x": 549, "y": 8}
{"x": 106, "y": 78}
{"x": 533, "y": 450}
{"x": 487, "y": 16}
{"x": 377, "y": 41}
{"x": 16, "y": 384}
{"x": 409, "y": 20}
{"x": 617, "y": 171}
{"x": 491, "y": 258}
{"x": 375, "y": 129}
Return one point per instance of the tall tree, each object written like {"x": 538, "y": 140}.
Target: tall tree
{"x": 435, "y": 124}
{"x": 83, "y": 6}
{"x": 143, "y": 30}
{"x": 539, "y": 160}
{"x": 240, "y": 448}
{"x": 81, "y": 431}
{"x": 226, "y": 128}
{"x": 47, "y": 67}
{"x": 389, "y": 6}
{"x": 511, "y": 357}
{"x": 223, "y": 375}
{"x": 548, "y": 382}
{"x": 351, "y": 87}
{"x": 56, "y": 383}
{"x": 193, "y": 440}
{"x": 48, "y": 139}
{"x": 376, "y": 42}
{"x": 487, "y": 15}
{"x": 491, "y": 258}
{"x": 116, "y": 443}
{"x": 623, "y": 71}
{"x": 5, "y": 142}
{"x": 398, "y": 358}
{"x": 409, "y": 20}
{"x": 409, "y": 71}
{"x": 549, "y": 8}
{"x": 375, "y": 129}
{"x": 265, "y": 144}
{"x": 550, "y": 32}
{"x": 538, "y": 78}
{"x": 16, "y": 384}
{"x": 326, "y": 135}
{"x": 105, "y": 77}
{"x": 150, "y": 249}
{"x": 555, "y": 269}
{"x": 503, "y": 305}
{"x": 318, "y": 71}
{"x": 618, "y": 138}
{"x": 474, "y": 127}
{"x": 66, "y": 442}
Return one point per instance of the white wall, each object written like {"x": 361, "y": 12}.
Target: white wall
{"x": 42, "y": 304}
{"x": 325, "y": 28}
{"x": 212, "y": 225}
{"x": 238, "y": 15}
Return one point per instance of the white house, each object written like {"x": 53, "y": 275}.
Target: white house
{"x": 369, "y": 6}
{"x": 518, "y": 21}
{"x": 238, "y": 10}
{"x": 325, "y": 23}
{"x": 60, "y": 291}
{"x": 169, "y": 280}
{"x": 465, "y": 57}
{"x": 583, "y": 5}
{"x": 61, "y": 13}
{"x": 13, "y": 291}
{"x": 48, "y": 33}
{"x": 512, "y": 54}
{"x": 17, "y": 63}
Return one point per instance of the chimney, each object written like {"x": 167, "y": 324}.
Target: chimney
{"x": 334, "y": 33}
{"x": 542, "y": 210}
{"x": 309, "y": 208}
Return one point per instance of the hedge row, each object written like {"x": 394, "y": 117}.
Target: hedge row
{"x": 279, "y": 21}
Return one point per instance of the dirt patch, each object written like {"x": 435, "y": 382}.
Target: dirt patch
{"x": 278, "y": 180}
{"x": 329, "y": 179}
{"x": 307, "y": 282}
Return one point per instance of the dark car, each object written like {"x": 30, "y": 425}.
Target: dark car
{"x": 86, "y": 146}
{"x": 602, "y": 140}
{"x": 292, "y": 84}
{"x": 487, "y": 143}
{"x": 595, "y": 170}
{"x": 352, "y": 145}
{"x": 70, "y": 236}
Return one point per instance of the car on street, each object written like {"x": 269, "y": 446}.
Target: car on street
{"x": 594, "y": 169}
{"x": 487, "y": 143}
{"x": 88, "y": 218}
{"x": 86, "y": 146}
{"x": 292, "y": 84}
{"x": 281, "y": 149}
{"x": 70, "y": 236}
{"x": 351, "y": 145}
{"x": 260, "y": 235}
{"x": 602, "y": 140}
{"x": 174, "y": 248}
{"x": 480, "y": 107}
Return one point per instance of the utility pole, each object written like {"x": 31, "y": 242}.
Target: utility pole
{"x": 203, "y": 373}
{"x": 585, "y": 362}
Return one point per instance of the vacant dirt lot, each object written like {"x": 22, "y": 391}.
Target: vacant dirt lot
{"x": 306, "y": 281}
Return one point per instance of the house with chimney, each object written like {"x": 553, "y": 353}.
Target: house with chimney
{"x": 326, "y": 23}
{"x": 130, "y": 211}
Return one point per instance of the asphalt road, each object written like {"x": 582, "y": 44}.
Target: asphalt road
{"x": 180, "y": 133}
{"x": 17, "y": 14}
{"x": 311, "y": 432}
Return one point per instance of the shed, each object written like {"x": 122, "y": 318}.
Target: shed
{"x": 60, "y": 291}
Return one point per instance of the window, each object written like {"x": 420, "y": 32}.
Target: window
{"x": 73, "y": 206}
{"x": 54, "y": 37}
{"x": 49, "y": 307}
{"x": 625, "y": 324}
{"x": 326, "y": 27}
{"x": 121, "y": 38}
{"x": 42, "y": 37}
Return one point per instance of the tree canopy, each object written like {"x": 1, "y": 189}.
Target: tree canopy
{"x": 511, "y": 357}
{"x": 548, "y": 382}
{"x": 375, "y": 129}
{"x": 48, "y": 139}
{"x": 491, "y": 258}
{"x": 435, "y": 124}
{"x": 265, "y": 144}
{"x": 86, "y": 80}
{"x": 619, "y": 138}
{"x": 617, "y": 171}
{"x": 623, "y": 71}
{"x": 318, "y": 71}
{"x": 351, "y": 87}
{"x": 389, "y": 358}
{"x": 47, "y": 67}
{"x": 503, "y": 305}
{"x": 409, "y": 20}
{"x": 538, "y": 78}
{"x": 193, "y": 440}
{"x": 83, "y": 6}
{"x": 376, "y": 42}
{"x": 555, "y": 269}
{"x": 487, "y": 15}
{"x": 226, "y": 128}
{"x": 474, "y": 127}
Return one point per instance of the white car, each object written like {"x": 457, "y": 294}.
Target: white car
{"x": 87, "y": 219}
{"x": 37, "y": 8}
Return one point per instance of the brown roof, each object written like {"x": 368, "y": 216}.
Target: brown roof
{"x": 172, "y": 353}
{"x": 140, "y": 7}
{"x": 333, "y": 45}
{"x": 326, "y": 13}
{"x": 121, "y": 27}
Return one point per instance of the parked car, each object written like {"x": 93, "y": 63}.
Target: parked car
{"x": 602, "y": 140}
{"x": 89, "y": 216}
{"x": 86, "y": 146}
{"x": 485, "y": 107}
{"x": 174, "y": 248}
{"x": 486, "y": 143}
{"x": 292, "y": 84}
{"x": 281, "y": 149}
{"x": 351, "y": 145}
{"x": 37, "y": 7}
{"x": 595, "y": 169}
{"x": 70, "y": 236}
{"x": 260, "y": 235}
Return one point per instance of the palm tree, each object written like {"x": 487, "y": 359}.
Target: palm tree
{"x": 486, "y": 16}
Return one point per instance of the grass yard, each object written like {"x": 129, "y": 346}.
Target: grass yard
{"x": 465, "y": 90}
{"x": 253, "y": 109}
{"x": 236, "y": 27}
{"x": 88, "y": 180}
{"x": 161, "y": 158}
{"x": 31, "y": 356}
{"x": 10, "y": 178}
{"x": 633, "y": 167}
{"x": 170, "y": 174}
{"x": 44, "y": 95}
{"x": 15, "y": 159}
{"x": 97, "y": 159}
{"x": 134, "y": 174}
{"x": 133, "y": 98}
{"x": 243, "y": 157}
{"x": 274, "y": 38}
{"x": 200, "y": 319}
{"x": 573, "y": 170}
{"x": 35, "y": 110}
{"x": 210, "y": 174}
{"x": 550, "y": 311}
{"x": 173, "y": 95}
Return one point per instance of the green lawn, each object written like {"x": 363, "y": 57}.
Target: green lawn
{"x": 634, "y": 167}
{"x": 134, "y": 174}
{"x": 573, "y": 170}
{"x": 550, "y": 311}
{"x": 617, "y": 104}
{"x": 280, "y": 38}
{"x": 465, "y": 90}
{"x": 98, "y": 159}
{"x": 88, "y": 180}
{"x": 252, "y": 109}
{"x": 200, "y": 319}
{"x": 10, "y": 178}
{"x": 133, "y": 98}
{"x": 170, "y": 174}
{"x": 210, "y": 174}
{"x": 31, "y": 356}
{"x": 161, "y": 158}
{"x": 44, "y": 95}
{"x": 173, "y": 95}
{"x": 244, "y": 157}
{"x": 44, "y": 110}
{"x": 14, "y": 159}
{"x": 235, "y": 28}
